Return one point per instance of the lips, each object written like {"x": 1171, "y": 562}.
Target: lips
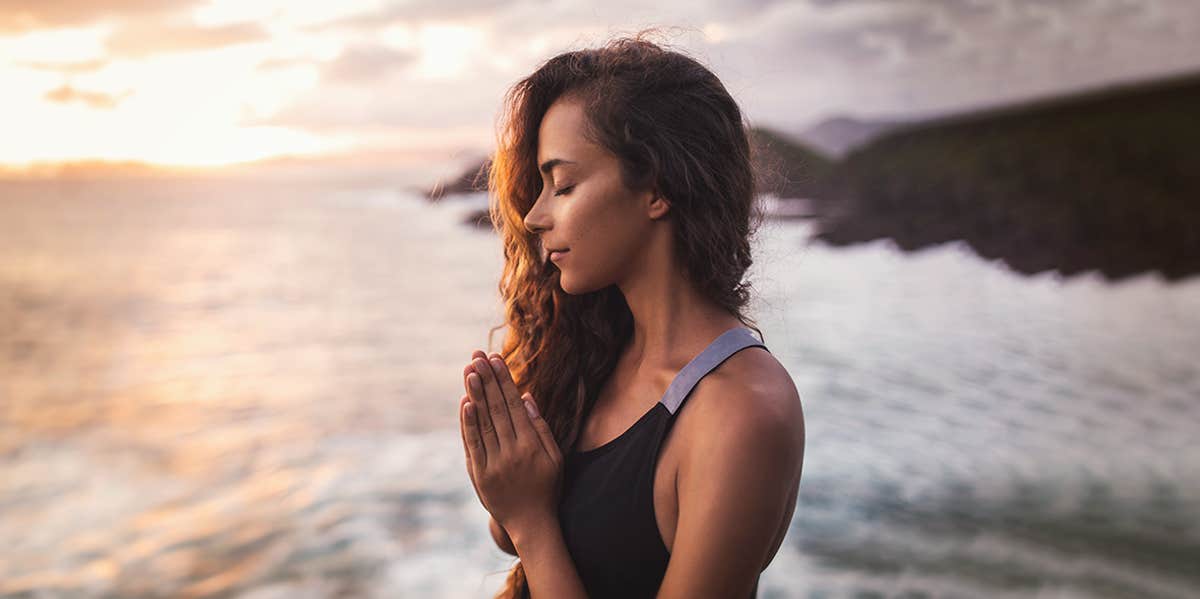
{"x": 555, "y": 255}
{"x": 547, "y": 252}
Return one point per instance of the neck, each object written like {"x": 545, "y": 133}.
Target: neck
{"x": 672, "y": 321}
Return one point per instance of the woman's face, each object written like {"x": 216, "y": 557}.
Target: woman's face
{"x": 585, "y": 207}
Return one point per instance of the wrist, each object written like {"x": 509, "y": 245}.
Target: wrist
{"x": 528, "y": 532}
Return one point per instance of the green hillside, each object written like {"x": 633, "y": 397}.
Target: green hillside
{"x": 1106, "y": 180}
{"x": 786, "y": 167}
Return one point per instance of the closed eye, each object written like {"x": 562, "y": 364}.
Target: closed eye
{"x": 564, "y": 191}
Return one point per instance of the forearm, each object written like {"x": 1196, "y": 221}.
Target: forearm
{"x": 548, "y": 566}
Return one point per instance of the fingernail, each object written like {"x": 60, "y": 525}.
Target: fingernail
{"x": 529, "y": 408}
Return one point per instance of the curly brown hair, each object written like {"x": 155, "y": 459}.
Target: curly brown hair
{"x": 674, "y": 128}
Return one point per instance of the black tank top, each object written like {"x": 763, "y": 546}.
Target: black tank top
{"x": 607, "y": 506}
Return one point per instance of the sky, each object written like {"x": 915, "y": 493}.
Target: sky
{"x": 212, "y": 83}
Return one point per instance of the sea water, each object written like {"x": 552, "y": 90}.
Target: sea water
{"x": 237, "y": 389}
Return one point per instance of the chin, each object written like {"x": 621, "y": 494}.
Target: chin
{"x": 565, "y": 285}
{"x": 573, "y": 287}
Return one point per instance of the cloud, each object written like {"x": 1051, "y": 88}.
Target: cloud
{"x": 425, "y": 69}
{"x": 66, "y": 67}
{"x": 786, "y": 62}
{"x": 146, "y": 38}
{"x": 797, "y": 63}
{"x": 18, "y": 16}
{"x": 367, "y": 64}
{"x": 272, "y": 64}
{"x": 415, "y": 11}
{"x": 67, "y": 94}
{"x": 398, "y": 104}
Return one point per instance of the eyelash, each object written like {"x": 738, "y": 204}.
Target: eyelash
{"x": 564, "y": 190}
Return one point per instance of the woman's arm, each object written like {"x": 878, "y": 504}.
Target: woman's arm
{"x": 501, "y": 537}
{"x": 548, "y": 566}
{"x": 734, "y": 487}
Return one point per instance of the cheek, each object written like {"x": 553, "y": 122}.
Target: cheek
{"x": 598, "y": 216}
{"x": 606, "y": 241}
{"x": 591, "y": 225}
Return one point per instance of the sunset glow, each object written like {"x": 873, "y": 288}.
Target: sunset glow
{"x": 202, "y": 96}
{"x": 70, "y": 100}
{"x": 221, "y": 82}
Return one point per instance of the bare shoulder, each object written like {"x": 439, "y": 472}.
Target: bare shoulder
{"x": 749, "y": 396}
{"x": 752, "y": 383}
{"x": 737, "y": 478}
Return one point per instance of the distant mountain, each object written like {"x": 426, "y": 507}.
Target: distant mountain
{"x": 786, "y": 167}
{"x": 836, "y": 136}
{"x": 472, "y": 179}
{"x": 1101, "y": 180}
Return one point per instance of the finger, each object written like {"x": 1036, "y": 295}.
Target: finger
{"x": 545, "y": 435}
{"x": 497, "y": 405}
{"x": 467, "y": 370}
{"x": 462, "y": 422}
{"x": 485, "y": 426}
{"x": 470, "y": 367}
{"x": 462, "y": 429}
{"x": 476, "y": 451}
{"x": 512, "y": 395}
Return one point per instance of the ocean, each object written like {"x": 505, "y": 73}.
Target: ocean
{"x": 237, "y": 389}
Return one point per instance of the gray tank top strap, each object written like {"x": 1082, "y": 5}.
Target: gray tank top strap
{"x": 721, "y": 348}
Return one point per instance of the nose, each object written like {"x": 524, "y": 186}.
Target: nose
{"x": 537, "y": 221}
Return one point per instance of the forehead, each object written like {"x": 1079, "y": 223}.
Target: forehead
{"x": 561, "y": 133}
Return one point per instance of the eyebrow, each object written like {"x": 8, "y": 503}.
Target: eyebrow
{"x": 549, "y": 165}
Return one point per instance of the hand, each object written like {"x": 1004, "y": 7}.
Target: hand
{"x": 513, "y": 460}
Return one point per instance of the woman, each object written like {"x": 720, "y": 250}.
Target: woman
{"x": 623, "y": 191}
